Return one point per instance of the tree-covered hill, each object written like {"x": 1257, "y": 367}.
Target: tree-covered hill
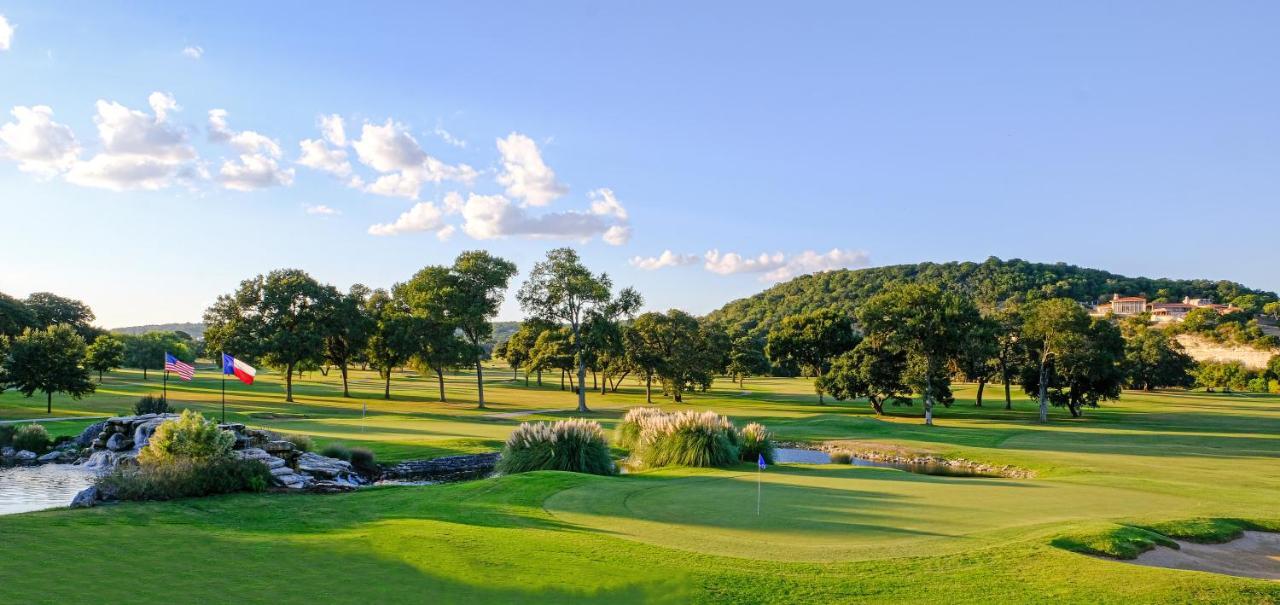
{"x": 987, "y": 282}
{"x": 194, "y": 329}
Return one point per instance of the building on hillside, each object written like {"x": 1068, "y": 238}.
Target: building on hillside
{"x": 1125, "y": 306}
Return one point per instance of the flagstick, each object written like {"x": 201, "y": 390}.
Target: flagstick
{"x": 757, "y": 490}
{"x": 224, "y": 388}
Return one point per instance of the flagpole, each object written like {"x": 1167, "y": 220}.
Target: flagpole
{"x": 758, "y": 490}
{"x": 223, "y": 366}
{"x": 165, "y": 388}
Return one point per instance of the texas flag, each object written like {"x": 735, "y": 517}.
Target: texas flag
{"x": 242, "y": 370}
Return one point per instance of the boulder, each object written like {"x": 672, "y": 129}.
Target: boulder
{"x": 7, "y": 452}
{"x": 25, "y": 456}
{"x": 278, "y": 446}
{"x": 54, "y": 456}
{"x": 118, "y": 443}
{"x": 90, "y": 434}
{"x": 86, "y": 498}
{"x": 323, "y": 466}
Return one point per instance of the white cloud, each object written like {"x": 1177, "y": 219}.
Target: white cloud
{"x": 446, "y": 233}
{"x": 321, "y": 210}
{"x": 494, "y": 217}
{"x": 778, "y": 266}
{"x": 604, "y": 203}
{"x": 815, "y": 262}
{"x": 139, "y": 151}
{"x": 258, "y": 166}
{"x": 6, "y": 33}
{"x": 390, "y": 149}
{"x": 524, "y": 174}
{"x": 334, "y": 129}
{"x": 39, "y": 145}
{"x": 664, "y": 260}
{"x": 448, "y": 137}
{"x": 732, "y": 262}
{"x": 617, "y": 235}
{"x": 193, "y": 52}
{"x": 424, "y": 216}
{"x": 317, "y": 155}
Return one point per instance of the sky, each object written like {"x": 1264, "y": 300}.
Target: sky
{"x": 152, "y": 155}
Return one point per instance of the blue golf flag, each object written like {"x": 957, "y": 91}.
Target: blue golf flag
{"x": 761, "y": 462}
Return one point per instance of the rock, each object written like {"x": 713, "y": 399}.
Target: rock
{"x": 449, "y": 468}
{"x": 118, "y": 442}
{"x": 278, "y": 446}
{"x": 25, "y": 456}
{"x": 330, "y": 487}
{"x": 54, "y": 456}
{"x": 281, "y": 471}
{"x": 86, "y": 498}
{"x": 89, "y": 434}
{"x": 7, "y": 452}
{"x": 323, "y": 466}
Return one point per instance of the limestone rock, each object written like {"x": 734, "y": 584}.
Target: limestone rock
{"x": 7, "y": 452}
{"x": 90, "y": 433}
{"x": 54, "y": 456}
{"x": 25, "y": 456}
{"x": 118, "y": 443}
{"x": 86, "y": 498}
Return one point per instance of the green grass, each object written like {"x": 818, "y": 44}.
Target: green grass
{"x": 1135, "y": 473}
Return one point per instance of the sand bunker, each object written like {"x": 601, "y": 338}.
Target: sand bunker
{"x": 1254, "y": 555}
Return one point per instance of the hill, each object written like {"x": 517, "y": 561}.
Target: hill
{"x": 989, "y": 282}
{"x": 196, "y": 330}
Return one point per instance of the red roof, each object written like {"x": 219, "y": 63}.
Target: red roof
{"x": 1129, "y": 299}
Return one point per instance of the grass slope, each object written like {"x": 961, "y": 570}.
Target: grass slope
{"x": 1127, "y": 476}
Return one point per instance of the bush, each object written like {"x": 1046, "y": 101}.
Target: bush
{"x": 302, "y": 443}
{"x": 188, "y": 437}
{"x": 6, "y": 434}
{"x": 754, "y": 441}
{"x": 632, "y": 424}
{"x": 337, "y": 450}
{"x": 185, "y": 478}
{"x": 568, "y": 445}
{"x": 365, "y": 463}
{"x": 33, "y": 438}
{"x": 841, "y": 457}
{"x": 688, "y": 439}
{"x": 151, "y": 405}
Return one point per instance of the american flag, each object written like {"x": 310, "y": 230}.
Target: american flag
{"x": 183, "y": 370}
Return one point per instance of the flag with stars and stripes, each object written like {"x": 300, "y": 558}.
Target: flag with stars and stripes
{"x": 184, "y": 371}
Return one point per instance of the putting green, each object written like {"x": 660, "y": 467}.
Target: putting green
{"x": 837, "y": 512}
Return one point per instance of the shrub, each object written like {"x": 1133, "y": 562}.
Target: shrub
{"x": 337, "y": 450}
{"x": 6, "y": 434}
{"x": 841, "y": 457}
{"x": 151, "y": 405}
{"x": 365, "y": 463}
{"x": 754, "y": 441}
{"x": 185, "y": 478}
{"x": 633, "y": 423}
{"x": 687, "y": 439}
{"x": 190, "y": 437}
{"x": 568, "y": 445}
{"x": 33, "y": 438}
{"x": 302, "y": 443}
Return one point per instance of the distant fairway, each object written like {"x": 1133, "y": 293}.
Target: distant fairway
{"x": 827, "y": 533}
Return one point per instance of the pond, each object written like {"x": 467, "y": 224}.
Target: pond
{"x": 38, "y": 487}
{"x": 803, "y": 456}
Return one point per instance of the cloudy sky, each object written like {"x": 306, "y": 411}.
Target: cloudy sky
{"x": 153, "y": 156}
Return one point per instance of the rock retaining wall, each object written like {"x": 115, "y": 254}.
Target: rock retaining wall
{"x": 451, "y": 468}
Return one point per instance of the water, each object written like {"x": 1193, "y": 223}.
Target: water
{"x": 27, "y": 488}
{"x": 801, "y": 456}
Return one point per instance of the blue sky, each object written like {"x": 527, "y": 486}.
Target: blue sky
{"x": 1142, "y": 138}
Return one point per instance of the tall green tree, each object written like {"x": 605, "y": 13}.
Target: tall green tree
{"x": 554, "y": 351}
{"x": 50, "y": 360}
{"x": 276, "y": 318}
{"x": 438, "y": 348}
{"x": 1050, "y": 329}
{"x": 812, "y": 340}
{"x": 1154, "y": 359}
{"x": 644, "y": 347}
{"x": 392, "y": 339}
{"x": 686, "y": 348}
{"x": 146, "y": 351}
{"x": 747, "y": 358}
{"x": 1009, "y": 346}
{"x": 50, "y": 309}
{"x": 345, "y": 326}
{"x": 978, "y": 354}
{"x": 105, "y": 354}
{"x": 1083, "y": 370}
{"x": 873, "y": 370}
{"x": 479, "y": 281}
{"x": 561, "y": 290}
{"x": 930, "y": 325}
{"x": 519, "y": 351}
{"x": 14, "y": 316}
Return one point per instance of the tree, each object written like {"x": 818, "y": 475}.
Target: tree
{"x": 478, "y": 282}
{"x": 1009, "y": 348}
{"x": 14, "y": 316}
{"x": 392, "y": 339}
{"x": 519, "y": 352}
{"x": 554, "y": 351}
{"x": 747, "y": 358}
{"x": 681, "y": 351}
{"x": 873, "y": 370}
{"x": 276, "y": 317}
{"x": 978, "y": 355}
{"x": 1088, "y": 371}
{"x": 1154, "y": 359}
{"x": 105, "y": 354}
{"x": 146, "y": 351}
{"x": 50, "y": 360}
{"x": 930, "y": 326}
{"x": 812, "y": 340}
{"x": 1051, "y": 328}
{"x": 1226, "y": 375}
{"x": 561, "y": 289}
{"x": 345, "y": 327}
{"x": 643, "y": 347}
{"x": 50, "y": 309}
